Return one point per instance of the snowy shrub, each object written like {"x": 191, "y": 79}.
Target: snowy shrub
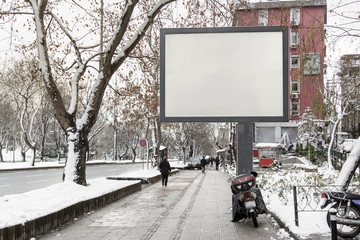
{"x": 282, "y": 182}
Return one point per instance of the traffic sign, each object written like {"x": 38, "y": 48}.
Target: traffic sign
{"x": 143, "y": 142}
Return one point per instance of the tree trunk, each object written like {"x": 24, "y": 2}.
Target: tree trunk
{"x": 88, "y": 155}
{"x": 183, "y": 152}
{"x": 331, "y": 144}
{"x": 134, "y": 153}
{"x": 158, "y": 129}
{"x": 42, "y": 152}
{"x": 115, "y": 157}
{"x": 75, "y": 166}
{"x": 1, "y": 156}
{"x": 124, "y": 153}
{"x": 23, "y": 156}
{"x": 33, "y": 157}
{"x": 232, "y": 143}
{"x": 57, "y": 138}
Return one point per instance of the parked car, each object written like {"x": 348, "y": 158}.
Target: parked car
{"x": 193, "y": 163}
{"x": 347, "y": 145}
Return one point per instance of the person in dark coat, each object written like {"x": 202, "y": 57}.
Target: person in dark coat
{"x": 203, "y": 164}
{"x": 164, "y": 169}
{"x": 217, "y": 162}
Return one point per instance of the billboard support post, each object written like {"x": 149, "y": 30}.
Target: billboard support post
{"x": 244, "y": 148}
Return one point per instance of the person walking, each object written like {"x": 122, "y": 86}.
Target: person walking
{"x": 217, "y": 162}
{"x": 165, "y": 169}
{"x": 203, "y": 164}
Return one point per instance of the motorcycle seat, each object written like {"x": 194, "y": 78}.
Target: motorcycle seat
{"x": 352, "y": 195}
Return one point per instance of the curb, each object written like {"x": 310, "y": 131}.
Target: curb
{"x": 46, "y": 223}
{"x": 144, "y": 179}
{"x": 283, "y": 225}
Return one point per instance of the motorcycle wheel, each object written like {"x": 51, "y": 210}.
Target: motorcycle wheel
{"x": 345, "y": 231}
{"x": 254, "y": 220}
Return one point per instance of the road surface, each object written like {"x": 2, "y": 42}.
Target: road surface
{"x": 23, "y": 181}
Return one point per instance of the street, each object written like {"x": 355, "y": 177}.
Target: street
{"x": 23, "y": 181}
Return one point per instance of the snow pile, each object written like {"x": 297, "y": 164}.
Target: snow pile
{"x": 20, "y": 208}
{"x": 19, "y": 165}
{"x": 177, "y": 164}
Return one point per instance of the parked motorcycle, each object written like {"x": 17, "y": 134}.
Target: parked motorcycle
{"x": 348, "y": 212}
{"x": 247, "y": 201}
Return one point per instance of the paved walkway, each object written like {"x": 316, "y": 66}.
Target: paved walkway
{"x": 192, "y": 206}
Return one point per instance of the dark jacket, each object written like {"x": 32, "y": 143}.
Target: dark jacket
{"x": 203, "y": 162}
{"x": 165, "y": 167}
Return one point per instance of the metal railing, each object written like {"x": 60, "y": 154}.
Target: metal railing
{"x": 307, "y": 198}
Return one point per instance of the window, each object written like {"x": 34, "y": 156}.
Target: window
{"x": 294, "y": 39}
{"x": 295, "y": 108}
{"x": 294, "y": 61}
{"x": 295, "y": 16}
{"x": 295, "y": 88}
{"x": 263, "y": 17}
{"x": 311, "y": 63}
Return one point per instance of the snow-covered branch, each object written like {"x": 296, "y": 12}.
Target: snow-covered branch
{"x": 45, "y": 68}
{"x": 119, "y": 32}
{"x": 140, "y": 33}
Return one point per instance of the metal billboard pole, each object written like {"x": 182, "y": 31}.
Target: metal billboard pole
{"x": 244, "y": 148}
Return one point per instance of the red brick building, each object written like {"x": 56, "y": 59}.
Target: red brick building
{"x": 305, "y": 20}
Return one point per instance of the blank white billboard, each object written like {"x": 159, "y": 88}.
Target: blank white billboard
{"x": 224, "y": 74}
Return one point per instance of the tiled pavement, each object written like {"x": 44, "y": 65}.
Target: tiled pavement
{"x": 192, "y": 206}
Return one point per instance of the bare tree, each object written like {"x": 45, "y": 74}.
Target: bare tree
{"x": 7, "y": 118}
{"x": 121, "y": 38}
{"x": 309, "y": 128}
{"x": 23, "y": 81}
{"x": 44, "y": 119}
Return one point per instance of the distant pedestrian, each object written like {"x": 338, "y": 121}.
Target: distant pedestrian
{"x": 164, "y": 169}
{"x": 203, "y": 164}
{"x": 217, "y": 162}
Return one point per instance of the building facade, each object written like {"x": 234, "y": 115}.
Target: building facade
{"x": 305, "y": 20}
{"x": 349, "y": 74}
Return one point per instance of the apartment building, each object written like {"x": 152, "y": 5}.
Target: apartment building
{"x": 305, "y": 20}
{"x": 349, "y": 75}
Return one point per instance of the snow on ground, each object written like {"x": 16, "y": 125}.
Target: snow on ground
{"x": 19, "y": 208}
{"x": 277, "y": 190}
{"x": 276, "y": 187}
